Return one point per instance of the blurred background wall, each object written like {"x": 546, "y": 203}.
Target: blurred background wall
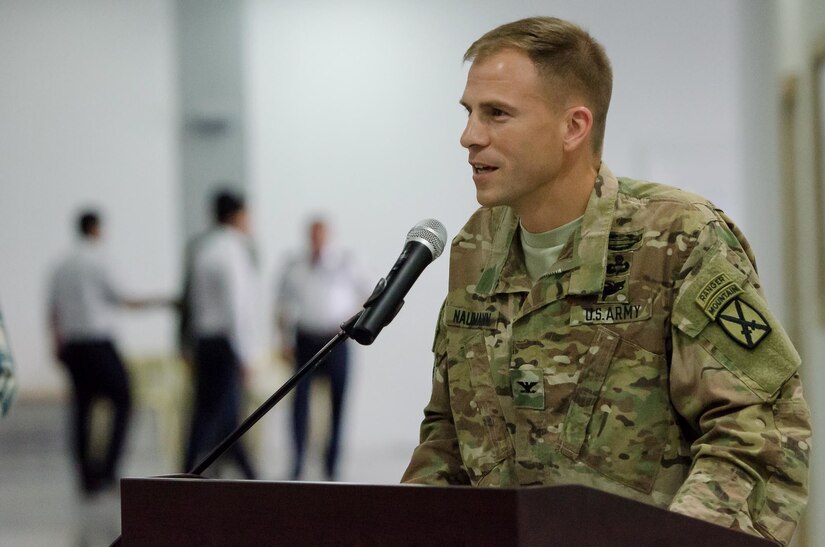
{"x": 351, "y": 109}
{"x": 88, "y": 117}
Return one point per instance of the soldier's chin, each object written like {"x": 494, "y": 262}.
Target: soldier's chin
{"x": 486, "y": 199}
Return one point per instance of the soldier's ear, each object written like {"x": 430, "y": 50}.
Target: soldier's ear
{"x": 578, "y": 123}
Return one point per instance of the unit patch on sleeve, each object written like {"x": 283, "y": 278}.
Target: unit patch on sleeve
{"x": 717, "y": 293}
{"x": 744, "y": 324}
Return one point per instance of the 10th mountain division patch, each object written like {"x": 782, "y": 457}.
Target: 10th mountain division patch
{"x": 744, "y": 324}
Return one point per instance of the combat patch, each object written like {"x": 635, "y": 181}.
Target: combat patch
{"x": 746, "y": 326}
{"x": 717, "y": 293}
{"x": 459, "y": 317}
{"x": 607, "y": 313}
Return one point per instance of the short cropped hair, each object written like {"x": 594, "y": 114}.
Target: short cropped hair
{"x": 566, "y": 56}
{"x": 87, "y": 222}
{"x": 225, "y": 205}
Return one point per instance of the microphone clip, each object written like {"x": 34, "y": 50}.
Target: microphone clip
{"x": 355, "y": 328}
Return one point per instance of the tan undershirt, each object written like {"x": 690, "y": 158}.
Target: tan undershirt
{"x": 542, "y": 250}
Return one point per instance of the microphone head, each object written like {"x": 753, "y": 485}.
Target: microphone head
{"x": 431, "y": 233}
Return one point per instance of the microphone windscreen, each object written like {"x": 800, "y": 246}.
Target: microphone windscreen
{"x": 431, "y": 233}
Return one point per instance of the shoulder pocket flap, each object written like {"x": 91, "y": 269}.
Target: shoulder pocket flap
{"x": 768, "y": 360}
{"x": 705, "y": 292}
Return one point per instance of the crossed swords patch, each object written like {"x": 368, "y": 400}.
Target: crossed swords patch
{"x": 719, "y": 299}
{"x": 743, "y": 323}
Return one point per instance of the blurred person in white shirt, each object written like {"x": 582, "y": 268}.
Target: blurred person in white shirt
{"x": 82, "y": 306}
{"x": 320, "y": 288}
{"x": 222, "y": 301}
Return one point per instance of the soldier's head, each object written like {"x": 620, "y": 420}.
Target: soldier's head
{"x": 536, "y": 97}
{"x": 573, "y": 66}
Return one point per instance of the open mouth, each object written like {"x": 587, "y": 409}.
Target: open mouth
{"x": 481, "y": 168}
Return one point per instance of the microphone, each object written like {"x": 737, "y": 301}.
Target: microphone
{"x": 425, "y": 242}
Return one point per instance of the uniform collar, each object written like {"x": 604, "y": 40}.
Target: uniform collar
{"x": 505, "y": 271}
{"x": 595, "y": 233}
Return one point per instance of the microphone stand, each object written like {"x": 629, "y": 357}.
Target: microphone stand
{"x": 253, "y": 418}
{"x": 267, "y": 405}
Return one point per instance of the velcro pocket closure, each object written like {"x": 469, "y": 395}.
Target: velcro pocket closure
{"x": 481, "y": 429}
{"x": 587, "y": 392}
{"x": 737, "y": 328}
{"x": 763, "y": 367}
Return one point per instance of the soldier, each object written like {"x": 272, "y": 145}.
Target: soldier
{"x": 600, "y": 330}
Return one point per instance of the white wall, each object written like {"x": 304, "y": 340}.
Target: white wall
{"x": 211, "y": 89}
{"x": 353, "y": 109}
{"x": 87, "y": 116}
{"x": 802, "y": 32}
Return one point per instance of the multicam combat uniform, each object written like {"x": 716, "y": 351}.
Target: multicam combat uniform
{"x": 646, "y": 364}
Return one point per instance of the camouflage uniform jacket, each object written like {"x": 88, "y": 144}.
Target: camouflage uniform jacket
{"x": 645, "y": 364}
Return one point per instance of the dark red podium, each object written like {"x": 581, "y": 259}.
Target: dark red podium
{"x": 181, "y": 512}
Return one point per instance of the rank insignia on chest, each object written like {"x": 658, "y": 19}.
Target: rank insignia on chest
{"x": 744, "y": 324}
{"x": 528, "y": 388}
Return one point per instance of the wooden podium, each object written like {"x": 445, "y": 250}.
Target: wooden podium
{"x": 180, "y": 512}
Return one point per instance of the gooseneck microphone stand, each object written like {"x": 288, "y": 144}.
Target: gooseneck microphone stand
{"x": 267, "y": 405}
{"x": 425, "y": 242}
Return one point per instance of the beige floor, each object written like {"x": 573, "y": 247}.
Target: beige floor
{"x": 39, "y": 501}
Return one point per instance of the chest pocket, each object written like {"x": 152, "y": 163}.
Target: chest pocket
{"x": 480, "y": 424}
{"x": 619, "y": 414}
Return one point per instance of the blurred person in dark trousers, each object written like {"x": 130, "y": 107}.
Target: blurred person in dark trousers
{"x": 222, "y": 297}
{"x": 320, "y": 288}
{"x": 83, "y": 304}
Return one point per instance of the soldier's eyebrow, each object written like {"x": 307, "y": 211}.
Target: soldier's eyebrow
{"x": 490, "y": 105}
